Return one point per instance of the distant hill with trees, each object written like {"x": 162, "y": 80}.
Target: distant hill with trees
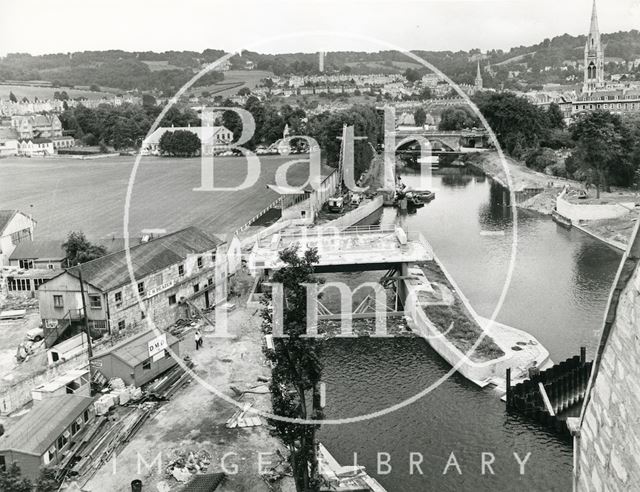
{"x": 167, "y": 71}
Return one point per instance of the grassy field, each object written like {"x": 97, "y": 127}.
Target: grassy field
{"x": 236, "y": 79}
{"x": 89, "y": 195}
{"x": 30, "y": 92}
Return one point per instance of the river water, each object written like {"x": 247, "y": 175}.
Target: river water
{"x": 558, "y": 293}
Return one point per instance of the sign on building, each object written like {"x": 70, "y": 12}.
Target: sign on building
{"x": 157, "y": 345}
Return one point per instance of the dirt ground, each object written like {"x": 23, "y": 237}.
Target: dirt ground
{"x": 12, "y": 332}
{"x": 194, "y": 419}
{"x": 521, "y": 176}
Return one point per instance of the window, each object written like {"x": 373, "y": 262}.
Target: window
{"x": 196, "y": 287}
{"x": 19, "y": 284}
{"x": 37, "y": 282}
{"x": 146, "y": 365}
{"x": 85, "y": 416}
{"x": 172, "y": 300}
{"x": 94, "y": 301}
{"x": 62, "y": 441}
{"x": 75, "y": 428}
{"x": 210, "y": 281}
{"x": 50, "y": 455}
{"x": 140, "y": 287}
{"x": 16, "y": 237}
{"x": 213, "y": 257}
{"x": 199, "y": 261}
{"x": 51, "y": 266}
{"x": 26, "y": 264}
{"x": 121, "y": 325}
{"x": 118, "y": 298}
{"x": 181, "y": 270}
{"x": 57, "y": 301}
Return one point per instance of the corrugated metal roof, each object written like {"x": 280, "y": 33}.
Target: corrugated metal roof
{"x": 44, "y": 250}
{"x": 111, "y": 271}
{"x": 135, "y": 350}
{"x": 38, "y": 430}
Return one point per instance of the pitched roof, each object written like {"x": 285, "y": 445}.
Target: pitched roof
{"x": 205, "y": 133}
{"x": 43, "y": 250}
{"x": 135, "y": 350}
{"x": 5, "y": 218}
{"x": 37, "y": 430}
{"x": 111, "y": 271}
{"x": 207, "y": 482}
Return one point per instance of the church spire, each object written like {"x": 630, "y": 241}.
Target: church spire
{"x": 593, "y": 30}
{"x": 593, "y": 56}
{"x": 478, "y": 81}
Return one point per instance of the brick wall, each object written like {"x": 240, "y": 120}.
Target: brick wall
{"x": 607, "y": 447}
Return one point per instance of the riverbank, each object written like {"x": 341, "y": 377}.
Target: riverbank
{"x": 615, "y": 232}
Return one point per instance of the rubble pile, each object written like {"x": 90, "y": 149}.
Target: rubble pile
{"x": 186, "y": 463}
{"x": 28, "y": 348}
{"x": 11, "y": 303}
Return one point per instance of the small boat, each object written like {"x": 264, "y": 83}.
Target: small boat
{"x": 560, "y": 219}
{"x": 425, "y": 196}
{"x": 335, "y": 204}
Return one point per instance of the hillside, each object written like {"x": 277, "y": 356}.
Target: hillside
{"x": 550, "y": 61}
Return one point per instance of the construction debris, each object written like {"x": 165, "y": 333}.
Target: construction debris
{"x": 280, "y": 469}
{"x": 187, "y": 463}
{"x": 241, "y": 419}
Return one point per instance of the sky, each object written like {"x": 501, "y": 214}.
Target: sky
{"x": 302, "y": 25}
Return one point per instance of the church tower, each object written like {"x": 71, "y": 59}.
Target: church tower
{"x": 593, "y": 57}
{"x": 478, "y": 82}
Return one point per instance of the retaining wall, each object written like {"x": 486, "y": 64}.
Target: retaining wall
{"x": 18, "y": 394}
{"x": 578, "y": 211}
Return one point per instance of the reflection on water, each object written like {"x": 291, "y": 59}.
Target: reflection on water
{"x": 558, "y": 293}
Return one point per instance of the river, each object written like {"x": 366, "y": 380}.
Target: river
{"x": 558, "y": 293}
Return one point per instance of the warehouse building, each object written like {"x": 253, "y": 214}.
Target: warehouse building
{"x": 168, "y": 269}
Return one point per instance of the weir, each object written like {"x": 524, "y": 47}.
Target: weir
{"x": 424, "y": 295}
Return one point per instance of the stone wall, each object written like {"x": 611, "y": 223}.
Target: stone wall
{"x": 607, "y": 444}
{"x": 18, "y": 393}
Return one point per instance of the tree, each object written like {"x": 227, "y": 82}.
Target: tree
{"x": 457, "y": 118}
{"x": 12, "y": 97}
{"x": 94, "y": 88}
{"x": 79, "y": 250}
{"x": 148, "y": 101}
{"x": 603, "y": 149}
{"x": 244, "y": 91}
{"x": 296, "y": 366}
{"x": 554, "y": 116}
{"x": 420, "y": 117}
{"x": 182, "y": 143}
{"x": 518, "y": 124}
{"x": 12, "y": 481}
{"x": 412, "y": 75}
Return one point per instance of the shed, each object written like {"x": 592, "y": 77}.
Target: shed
{"x": 43, "y": 436}
{"x": 133, "y": 360}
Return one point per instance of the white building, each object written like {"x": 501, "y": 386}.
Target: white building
{"x": 35, "y": 147}
{"x": 8, "y": 142}
{"x": 15, "y": 227}
{"x": 213, "y": 138}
